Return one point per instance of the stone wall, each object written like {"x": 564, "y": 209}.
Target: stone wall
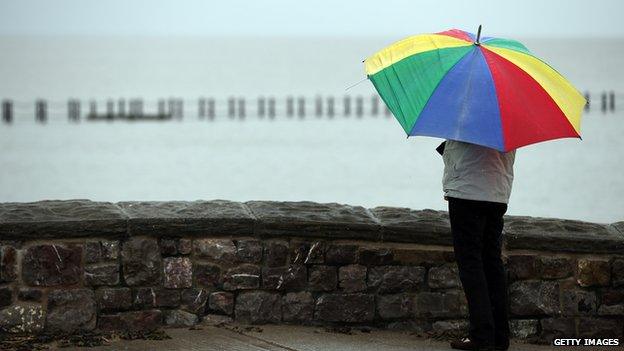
{"x": 73, "y": 266}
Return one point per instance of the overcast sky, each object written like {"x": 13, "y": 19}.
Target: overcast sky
{"x": 527, "y": 18}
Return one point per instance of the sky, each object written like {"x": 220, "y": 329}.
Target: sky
{"x": 527, "y": 18}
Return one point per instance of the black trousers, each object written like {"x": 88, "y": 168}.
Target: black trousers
{"x": 477, "y": 240}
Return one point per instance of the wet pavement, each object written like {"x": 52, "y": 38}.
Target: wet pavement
{"x": 290, "y": 338}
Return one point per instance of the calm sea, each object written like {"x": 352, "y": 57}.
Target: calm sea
{"x": 365, "y": 161}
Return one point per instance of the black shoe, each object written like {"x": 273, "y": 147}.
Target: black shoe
{"x": 467, "y": 344}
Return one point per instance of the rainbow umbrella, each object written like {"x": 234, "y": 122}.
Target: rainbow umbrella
{"x": 493, "y": 92}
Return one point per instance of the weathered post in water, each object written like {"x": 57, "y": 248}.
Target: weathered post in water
{"x": 271, "y": 107}
{"x": 73, "y": 110}
{"x": 121, "y": 107}
{"x": 612, "y": 101}
{"x": 318, "y": 107}
{"x": 7, "y": 111}
{"x": 290, "y": 106}
{"x": 301, "y": 107}
{"x": 603, "y": 102}
{"x": 241, "y": 107}
{"x": 41, "y": 111}
{"x": 261, "y": 107}
{"x": 359, "y": 106}
{"x": 92, "y": 109}
{"x": 588, "y": 104}
{"x": 387, "y": 111}
{"x": 231, "y": 107}
{"x": 330, "y": 107}
{"x": 346, "y": 105}
{"x": 374, "y": 105}
{"x": 110, "y": 109}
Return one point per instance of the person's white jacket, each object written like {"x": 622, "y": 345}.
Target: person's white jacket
{"x": 475, "y": 172}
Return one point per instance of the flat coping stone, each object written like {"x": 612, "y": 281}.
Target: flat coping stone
{"x": 551, "y": 234}
{"x": 60, "y": 219}
{"x": 401, "y": 224}
{"x": 177, "y": 218}
{"x": 311, "y": 219}
{"x": 65, "y": 219}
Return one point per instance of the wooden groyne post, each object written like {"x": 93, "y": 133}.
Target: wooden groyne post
{"x": 41, "y": 111}
{"x": 73, "y": 110}
{"x": 7, "y": 111}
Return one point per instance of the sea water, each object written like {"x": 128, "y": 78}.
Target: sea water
{"x": 361, "y": 161}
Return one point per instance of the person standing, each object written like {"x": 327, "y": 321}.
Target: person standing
{"x": 477, "y": 184}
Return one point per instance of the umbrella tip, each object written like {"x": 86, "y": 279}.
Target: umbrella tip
{"x": 477, "y": 42}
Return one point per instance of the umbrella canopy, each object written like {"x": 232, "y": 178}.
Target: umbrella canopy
{"x": 491, "y": 92}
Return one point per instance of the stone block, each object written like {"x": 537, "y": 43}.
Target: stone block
{"x": 30, "y": 294}
{"x": 8, "y": 264}
{"x": 221, "y": 302}
{"x": 448, "y": 304}
{"x": 322, "y": 278}
{"x": 593, "y": 272}
{"x": 71, "y": 311}
{"x": 559, "y": 235}
{"x": 369, "y": 256}
{"x": 523, "y": 328}
{"x": 178, "y": 272}
{"x": 93, "y": 252}
{"x": 52, "y": 265}
{"x": 348, "y": 308}
{"x": 102, "y": 275}
{"x": 341, "y": 254}
{"x": 170, "y": 218}
{"x": 193, "y": 300}
{"x": 131, "y": 321}
{"x": 521, "y": 267}
{"x": 422, "y": 257}
{"x": 180, "y": 319}
{"x": 394, "y": 306}
{"x": 141, "y": 261}
{"x": 532, "y": 297}
{"x": 414, "y": 226}
{"x": 289, "y": 278}
{"x": 168, "y": 247}
{"x": 298, "y": 307}
{"x": 600, "y": 328}
{"x": 307, "y": 252}
{"x": 6, "y": 296}
{"x": 388, "y": 279}
{"x": 23, "y": 318}
{"x": 443, "y": 277}
{"x": 307, "y": 218}
{"x": 114, "y": 299}
{"x": 207, "y": 275}
{"x": 258, "y": 307}
{"x": 60, "y": 219}
{"x": 185, "y": 246}
{"x": 155, "y": 297}
{"x": 578, "y": 302}
{"x": 552, "y": 328}
{"x": 276, "y": 253}
{"x": 352, "y": 278}
{"x": 249, "y": 250}
{"x": 555, "y": 267}
{"x": 245, "y": 276}
{"x": 222, "y": 251}
{"x": 450, "y": 326}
